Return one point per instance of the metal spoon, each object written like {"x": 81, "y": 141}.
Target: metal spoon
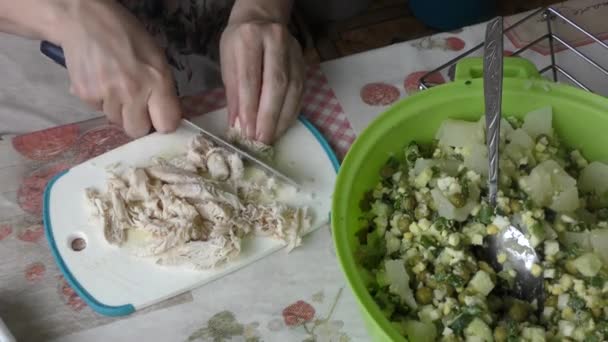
{"x": 510, "y": 241}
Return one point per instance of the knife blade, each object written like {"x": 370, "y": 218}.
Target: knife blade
{"x": 55, "y": 53}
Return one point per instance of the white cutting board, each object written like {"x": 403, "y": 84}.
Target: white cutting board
{"x": 115, "y": 283}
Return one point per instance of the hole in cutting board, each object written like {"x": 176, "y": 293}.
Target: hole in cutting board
{"x": 77, "y": 242}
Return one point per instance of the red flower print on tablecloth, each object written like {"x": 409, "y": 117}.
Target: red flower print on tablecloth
{"x": 99, "y": 141}
{"x": 31, "y": 234}
{"x": 5, "y": 231}
{"x": 46, "y": 144}
{"x": 29, "y": 195}
{"x": 379, "y": 94}
{"x": 412, "y": 81}
{"x": 298, "y": 313}
{"x": 301, "y": 315}
{"x": 35, "y": 272}
{"x": 446, "y": 44}
{"x": 69, "y": 296}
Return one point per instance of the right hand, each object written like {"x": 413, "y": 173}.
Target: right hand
{"x": 116, "y": 66}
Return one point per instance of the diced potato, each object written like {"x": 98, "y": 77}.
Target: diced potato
{"x": 599, "y": 241}
{"x": 580, "y": 239}
{"x": 459, "y": 133}
{"x": 588, "y": 264}
{"x": 521, "y": 138}
{"x": 419, "y": 332}
{"x": 505, "y": 128}
{"x": 446, "y": 209}
{"x": 476, "y": 159}
{"x": 538, "y": 186}
{"x": 549, "y": 185}
{"x": 479, "y": 330}
{"x": 539, "y": 122}
{"x": 565, "y": 200}
{"x": 482, "y": 283}
{"x": 428, "y": 314}
{"x": 594, "y": 178}
{"x": 520, "y": 147}
{"x": 534, "y": 334}
{"x": 566, "y": 328}
{"x": 400, "y": 281}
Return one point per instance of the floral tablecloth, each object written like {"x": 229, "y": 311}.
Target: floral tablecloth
{"x": 301, "y": 297}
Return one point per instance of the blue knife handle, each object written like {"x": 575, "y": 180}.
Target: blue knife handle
{"x": 53, "y": 52}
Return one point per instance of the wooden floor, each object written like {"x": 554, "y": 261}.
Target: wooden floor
{"x": 385, "y": 22}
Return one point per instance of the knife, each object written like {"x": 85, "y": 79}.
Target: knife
{"x": 55, "y": 53}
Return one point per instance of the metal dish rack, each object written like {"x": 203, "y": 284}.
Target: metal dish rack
{"x": 548, "y": 14}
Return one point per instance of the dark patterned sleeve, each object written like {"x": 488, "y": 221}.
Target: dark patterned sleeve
{"x": 185, "y": 28}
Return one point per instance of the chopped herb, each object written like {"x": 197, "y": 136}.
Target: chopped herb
{"x": 366, "y": 203}
{"x": 602, "y": 327}
{"x": 362, "y": 235}
{"x": 597, "y": 281}
{"x": 485, "y": 214}
{"x": 579, "y": 227}
{"x": 427, "y": 150}
{"x": 451, "y": 279}
{"x": 573, "y": 251}
{"x": 412, "y": 152}
{"x": 389, "y": 169}
{"x": 538, "y": 230}
{"x": 371, "y": 254}
{"x": 591, "y": 338}
{"x": 383, "y": 300}
{"x": 513, "y": 334}
{"x": 576, "y": 303}
{"x": 427, "y": 241}
{"x": 528, "y": 204}
{"x": 441, "y": 223}
{"x": 514, "y": 122}
{"x": 602, "y": 214}
{"x": 550, "y": 215}
{"x": 461, "y": 322}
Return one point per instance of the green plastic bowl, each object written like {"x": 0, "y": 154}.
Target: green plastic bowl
{"x": 580, "y": 118}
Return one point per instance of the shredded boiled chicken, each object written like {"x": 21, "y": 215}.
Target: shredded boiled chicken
{"x": 194, "y": 209}
{"x": 261, "y": 150}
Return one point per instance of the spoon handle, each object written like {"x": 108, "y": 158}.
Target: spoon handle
{"x": 492, "y": 88}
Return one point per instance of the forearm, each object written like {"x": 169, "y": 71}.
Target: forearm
{"x": 34, "y": 19}
{"x": 271, "y": 10}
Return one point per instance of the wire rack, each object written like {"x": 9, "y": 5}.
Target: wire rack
{"x": 548, "y": 15}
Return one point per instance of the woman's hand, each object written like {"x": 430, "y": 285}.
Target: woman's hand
{"x": 115, "y": 66}
{"x": 262, "y": 69}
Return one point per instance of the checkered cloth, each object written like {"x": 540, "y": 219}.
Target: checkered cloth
{"x": 320, "y": 106}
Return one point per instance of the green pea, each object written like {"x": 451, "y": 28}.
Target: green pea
{"x": 518, "y": 311}
{"x": 424, "y": 295}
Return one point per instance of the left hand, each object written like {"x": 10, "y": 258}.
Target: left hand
{"x": 263, "y": 72}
